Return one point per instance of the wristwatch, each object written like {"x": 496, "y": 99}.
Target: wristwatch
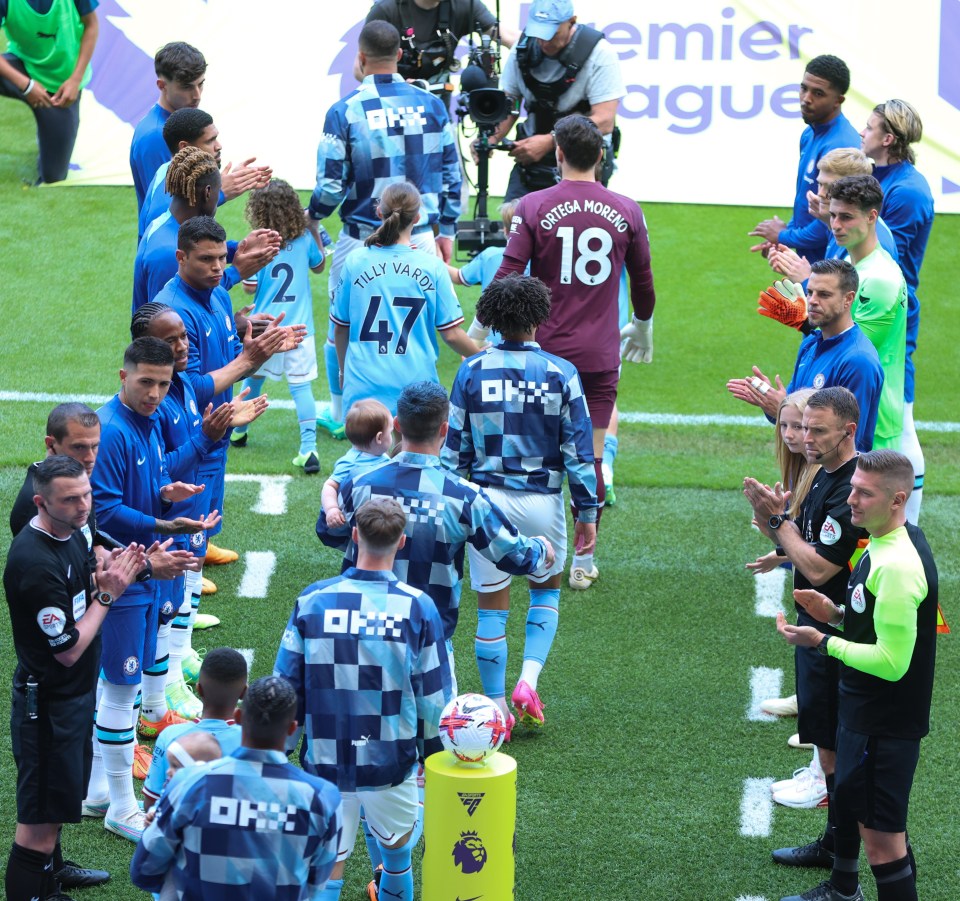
{"x": 104, "y": 598}
{"x": 777, "y": 520}
{"x": 822, "y": 647}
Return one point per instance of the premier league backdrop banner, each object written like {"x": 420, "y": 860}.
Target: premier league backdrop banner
{"x": 711, "y": 112}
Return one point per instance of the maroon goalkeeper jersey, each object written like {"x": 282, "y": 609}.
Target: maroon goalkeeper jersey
{"x": 577, "y": 237}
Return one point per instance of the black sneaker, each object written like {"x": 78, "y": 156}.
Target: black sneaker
{"x": 825, "y": 892}
{"x": 312, "y": 464}
{"x": 809, "y": 855}
{"x": 73, "y": 876}
{"x": 238, "y": 439}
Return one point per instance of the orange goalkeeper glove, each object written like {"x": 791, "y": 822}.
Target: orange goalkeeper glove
{"x": 784, "y": 302}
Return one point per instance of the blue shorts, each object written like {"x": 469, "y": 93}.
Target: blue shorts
{"x": 170, "y": 598}
{"x": 913, "y": 328}
{"x": 130, "y": 638}
{"x": 211, "y": 474}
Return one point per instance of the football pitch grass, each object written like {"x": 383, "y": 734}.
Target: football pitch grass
{"x": 635, "y": 786}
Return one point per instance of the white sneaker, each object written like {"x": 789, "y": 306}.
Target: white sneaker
{"x": 794, "y": 742}
{"x": 780, "y": 706}
{"x": 805, "y": 790}
{"x": 129, "y": 827}
{"x": 799, "y": 775}
{"x": 581, "y": 580}
{"x": 93, "y": 808}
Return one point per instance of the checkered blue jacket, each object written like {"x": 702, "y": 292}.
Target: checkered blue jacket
{"x": 383, "y": 132}
{"x": 366, "y": 655}
{"x": 519, "y": 420}
{"x": 250, "y": 825}
{"x": 444, "y": 512}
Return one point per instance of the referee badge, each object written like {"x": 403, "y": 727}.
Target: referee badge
{"x": 858, "y": 600}
{"x": 52, "y": 620}
{"x": 830, "y": 531}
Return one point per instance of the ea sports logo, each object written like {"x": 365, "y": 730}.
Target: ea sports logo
{"x": 52, "y": 621}
{"x": 858, "y": 599}
{"x": 830, "y": 531}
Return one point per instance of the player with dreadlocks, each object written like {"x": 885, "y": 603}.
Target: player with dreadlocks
{"x": 284, "y": 287}
{"x": 542, "y": 431}
{"x": 193, "y": 182}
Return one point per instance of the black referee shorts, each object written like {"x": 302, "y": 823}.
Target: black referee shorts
{"x": 818, "y": 693}
{"x": 53, "y": 754}
{"x": 873, "y": 779}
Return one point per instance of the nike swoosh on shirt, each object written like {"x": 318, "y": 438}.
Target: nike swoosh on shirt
{"x": 207, "y": 332}
{"x": 176, "y": 419}
{"x": 141, "y": 461}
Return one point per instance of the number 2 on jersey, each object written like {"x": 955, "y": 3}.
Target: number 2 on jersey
{"x": 587, "y": 258}
{"x": 284, "y": 270}
{"x": 378, "y": 330}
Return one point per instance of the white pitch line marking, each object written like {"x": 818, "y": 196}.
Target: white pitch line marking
{"x": 247, "y": 654}
{"x": 258, "y": 569}
{"x": 272, "y": 499}
{"x": 751, "y": 898}
{"x": 95, "y": 400}
{"x": 764, "y": 683}
{"x": 756, "y": 808}
{"x": 768, "y": 592}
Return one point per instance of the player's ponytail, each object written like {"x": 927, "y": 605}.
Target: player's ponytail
{"x": 398, "y": 210}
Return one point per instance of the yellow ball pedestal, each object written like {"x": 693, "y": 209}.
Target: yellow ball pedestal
{"x": 470, "y": 817}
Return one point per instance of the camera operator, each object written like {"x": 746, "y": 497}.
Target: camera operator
{"x": 429, "y": 33}
{"x": 558, "y": 67}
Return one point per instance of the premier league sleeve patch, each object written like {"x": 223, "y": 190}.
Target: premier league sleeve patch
{"x": 830, "y": 531}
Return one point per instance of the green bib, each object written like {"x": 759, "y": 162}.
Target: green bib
{"x": 48, "y": 44}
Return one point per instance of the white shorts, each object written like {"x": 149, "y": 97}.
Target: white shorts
{"x": 531, "y": 514}
{"x": 390, "y": 813}
{"x": 298, "y": 365}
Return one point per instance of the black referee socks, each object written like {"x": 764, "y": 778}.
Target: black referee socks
{"x": 29, "y": 874}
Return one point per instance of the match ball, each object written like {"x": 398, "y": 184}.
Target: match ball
{"x": 472, "y": 727}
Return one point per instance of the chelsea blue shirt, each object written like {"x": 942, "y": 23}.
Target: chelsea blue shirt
{"x": 148, "y": 150}
{"x": 808, "y": 236}
{"x": 848, "y": 360}
{"x": 156, "y": 260}
{"x": 127, "y": 479}
{"x": 208, "y": 318}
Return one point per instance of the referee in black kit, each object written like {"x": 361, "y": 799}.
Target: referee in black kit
{"x": 56, "y": 608}
{"x": 886, "y": 649}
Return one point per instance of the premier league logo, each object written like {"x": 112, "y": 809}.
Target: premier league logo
{"x": 469, "y": 853}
